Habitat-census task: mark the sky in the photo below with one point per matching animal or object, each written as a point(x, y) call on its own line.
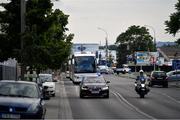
point(115, 16)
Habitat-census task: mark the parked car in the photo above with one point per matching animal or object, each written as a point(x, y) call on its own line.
point(158, 78)
point(173, 76)
point(94, 86)
point(21, 100)
point(48, 81)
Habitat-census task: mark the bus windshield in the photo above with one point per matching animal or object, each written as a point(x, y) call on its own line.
point(85, 64)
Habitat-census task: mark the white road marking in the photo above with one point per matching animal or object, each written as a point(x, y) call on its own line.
point(65, 112)
point(171, 98)
point(131, 105)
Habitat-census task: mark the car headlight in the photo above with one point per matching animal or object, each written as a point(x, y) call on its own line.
point(33, 108)
point(105, 88)
point(84, 88)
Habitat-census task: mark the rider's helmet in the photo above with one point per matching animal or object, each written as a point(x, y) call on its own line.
point(141, 72)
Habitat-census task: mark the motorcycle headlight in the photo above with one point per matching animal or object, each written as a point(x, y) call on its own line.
point(33, 108)
point(142, 85)
point(105, 88)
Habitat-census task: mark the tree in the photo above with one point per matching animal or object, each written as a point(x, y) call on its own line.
point(46, 44)
point(10, 30)
point(135, 38)
point(173, 25)
point(178, 41)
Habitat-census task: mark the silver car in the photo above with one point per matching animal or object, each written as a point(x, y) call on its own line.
point(173, 76)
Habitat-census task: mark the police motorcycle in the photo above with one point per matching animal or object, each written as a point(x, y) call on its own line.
point(141, 87)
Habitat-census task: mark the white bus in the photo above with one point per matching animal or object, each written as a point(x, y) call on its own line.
point(82, 65)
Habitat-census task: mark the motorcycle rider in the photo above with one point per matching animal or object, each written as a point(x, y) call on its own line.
point(139, 79)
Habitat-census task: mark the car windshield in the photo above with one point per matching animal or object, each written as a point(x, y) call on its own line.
point(103, 67)
point(18, 90)
point(159, 74)
point(45, 78)
point(94, 80)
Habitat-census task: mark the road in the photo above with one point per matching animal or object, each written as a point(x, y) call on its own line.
point(124, 103)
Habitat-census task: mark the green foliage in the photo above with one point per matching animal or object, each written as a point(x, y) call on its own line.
point(135, 38)
point(9, 30)
point(45, 43)
point(178, 41)
point(173, 25)
point(112, 47)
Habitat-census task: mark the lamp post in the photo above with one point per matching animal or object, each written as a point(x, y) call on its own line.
point(154, 42)
point(106, 40)
point(154, 35)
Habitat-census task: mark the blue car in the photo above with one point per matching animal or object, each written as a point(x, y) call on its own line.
point(21, 100)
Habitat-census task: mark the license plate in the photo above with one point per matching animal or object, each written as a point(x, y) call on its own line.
point(159, 78)
point(95, 92)
point(14, 116)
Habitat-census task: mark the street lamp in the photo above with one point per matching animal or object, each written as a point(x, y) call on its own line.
point(106, 39)
point(154, 35)
point(154, 42)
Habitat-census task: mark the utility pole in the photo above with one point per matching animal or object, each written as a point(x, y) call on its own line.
point(106, 42)
point(23, 11)
point(154, 35)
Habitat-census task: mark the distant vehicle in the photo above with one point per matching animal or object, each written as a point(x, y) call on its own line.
point(173, 76)
point(158, 78)
point(124, 69)
point(48, 81)
point(103, 69)
point(94, 86)
point(21, 100)
point(82, 64)
point(67, 74)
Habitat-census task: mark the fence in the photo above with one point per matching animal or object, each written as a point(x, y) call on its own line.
point(8, 70)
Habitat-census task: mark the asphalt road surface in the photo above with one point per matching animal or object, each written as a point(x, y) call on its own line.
point(124, 103)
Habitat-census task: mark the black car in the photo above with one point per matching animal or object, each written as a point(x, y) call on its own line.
point(21, 100)
point(94, 86)
point(158, 78)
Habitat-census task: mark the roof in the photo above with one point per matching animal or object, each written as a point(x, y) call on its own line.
point(42, 74)
point(85, 54)
point(171, 51)
point(14, 81)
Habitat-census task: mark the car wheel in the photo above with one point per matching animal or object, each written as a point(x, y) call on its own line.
point(165, 85)
point(106, 96)
point(150, 84)
point(81, 95)
point(54, 95)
